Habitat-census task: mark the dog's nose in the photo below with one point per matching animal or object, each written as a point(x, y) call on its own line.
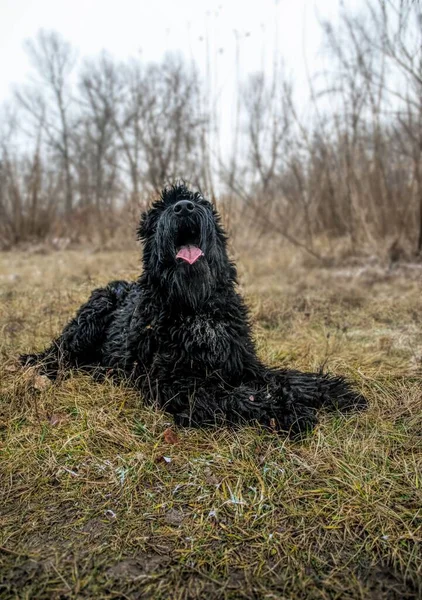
point(183, 208)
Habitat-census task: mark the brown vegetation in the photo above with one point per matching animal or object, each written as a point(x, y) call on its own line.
point(103, 498)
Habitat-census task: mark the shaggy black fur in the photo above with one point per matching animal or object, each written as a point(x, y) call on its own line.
point(181, 334)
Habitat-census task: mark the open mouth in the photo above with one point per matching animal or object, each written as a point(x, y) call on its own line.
point(187, 245)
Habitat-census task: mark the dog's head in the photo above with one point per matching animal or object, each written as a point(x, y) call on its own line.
point(185, 246)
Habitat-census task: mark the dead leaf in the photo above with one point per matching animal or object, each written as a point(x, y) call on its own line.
point(41, 383)
point(29, 374)
point(170, 436)
point(174, 517)
point(58, 419)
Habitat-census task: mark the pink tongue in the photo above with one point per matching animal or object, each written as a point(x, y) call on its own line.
point(189, 253)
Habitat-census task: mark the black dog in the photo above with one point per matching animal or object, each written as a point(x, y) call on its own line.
point(181, 332)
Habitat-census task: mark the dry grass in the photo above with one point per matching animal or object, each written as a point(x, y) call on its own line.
point(96, 503)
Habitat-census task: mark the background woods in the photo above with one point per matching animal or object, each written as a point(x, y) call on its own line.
point(87, 141)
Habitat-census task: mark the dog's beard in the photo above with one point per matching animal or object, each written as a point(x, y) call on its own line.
point(191, 285)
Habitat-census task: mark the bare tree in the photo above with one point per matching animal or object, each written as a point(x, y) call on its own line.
point(157, 122)
point(267, 126)
point(28, 190)
point(116, 131)
point(53, 60)
point(379, 73)
point(97, 137)
point(171, 133)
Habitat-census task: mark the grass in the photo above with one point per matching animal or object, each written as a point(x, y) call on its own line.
point(103, 498)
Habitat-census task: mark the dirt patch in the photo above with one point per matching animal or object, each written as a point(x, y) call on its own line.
point(131, 569)
point(24, 573)
point(174, 517)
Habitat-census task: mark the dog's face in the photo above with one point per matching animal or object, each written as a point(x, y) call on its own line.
point(185, 246)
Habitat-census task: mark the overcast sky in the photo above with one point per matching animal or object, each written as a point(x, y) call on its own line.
point(202, 30)
point(150, 28)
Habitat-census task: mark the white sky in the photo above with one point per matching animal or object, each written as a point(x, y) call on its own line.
point(150, 28)
point(202, 30)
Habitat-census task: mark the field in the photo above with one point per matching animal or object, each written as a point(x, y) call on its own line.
point(102, 498)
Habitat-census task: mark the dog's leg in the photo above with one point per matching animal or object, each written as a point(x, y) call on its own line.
point(285, 401)
point(271, 406)
point(321, 391)
point(290, 400)
point(80, 342)
point(294, 398)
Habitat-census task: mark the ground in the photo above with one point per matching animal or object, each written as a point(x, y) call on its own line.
point(102, 498)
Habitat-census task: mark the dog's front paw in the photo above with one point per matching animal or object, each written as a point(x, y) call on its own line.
point(340, 395)
point(292, 415)
point(297, 422)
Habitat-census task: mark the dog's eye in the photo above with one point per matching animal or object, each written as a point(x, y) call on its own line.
point(205, 203)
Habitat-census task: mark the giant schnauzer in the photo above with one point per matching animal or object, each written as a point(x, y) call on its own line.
point(181, 333)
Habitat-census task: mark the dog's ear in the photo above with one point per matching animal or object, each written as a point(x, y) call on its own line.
point(146, 226)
